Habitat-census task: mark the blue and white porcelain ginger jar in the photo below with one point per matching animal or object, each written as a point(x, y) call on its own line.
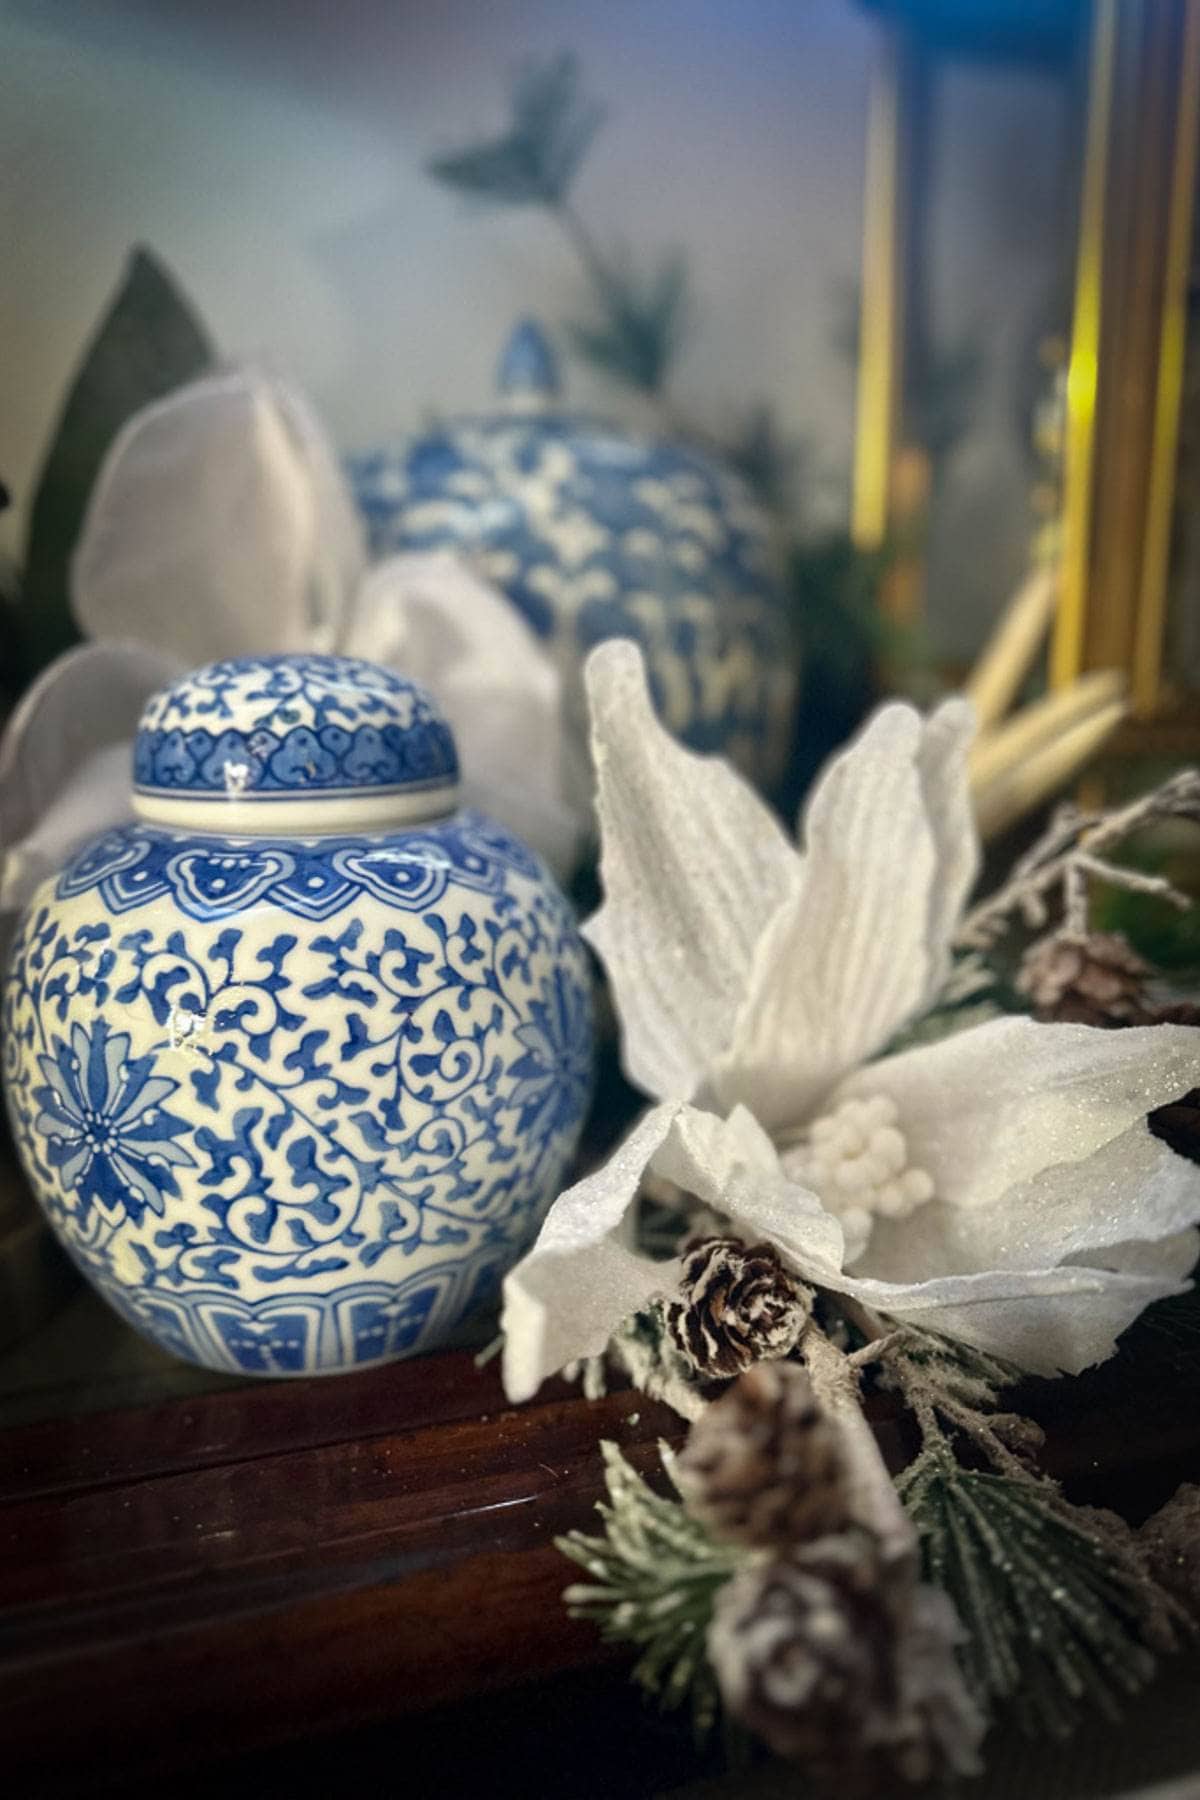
point(595, 532)
point(296, 1061)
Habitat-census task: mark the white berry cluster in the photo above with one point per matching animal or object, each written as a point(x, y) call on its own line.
point(856, 1160)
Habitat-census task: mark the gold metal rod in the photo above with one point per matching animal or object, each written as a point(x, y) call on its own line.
point(881, 304)
point(1005, 747)
point(1010, 651)
point(1150, 623)
point(1066, 656)
point(1001, 803)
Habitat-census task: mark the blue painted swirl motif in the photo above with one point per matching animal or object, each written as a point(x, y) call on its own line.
point(594, 534)
point(281, 725)
point(286, 1126)
point(216, 878)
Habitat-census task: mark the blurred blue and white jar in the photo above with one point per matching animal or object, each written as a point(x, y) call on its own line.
point(296, 1061)
point(594, 532)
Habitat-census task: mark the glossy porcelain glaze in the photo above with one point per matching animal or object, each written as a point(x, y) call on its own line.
point(594, 532)
point(295, 1094)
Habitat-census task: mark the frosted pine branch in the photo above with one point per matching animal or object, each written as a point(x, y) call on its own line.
point(1071, 854)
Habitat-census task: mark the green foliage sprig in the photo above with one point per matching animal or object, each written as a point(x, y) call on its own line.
point(640, 317)
point(641, 322)
point(1056, 1618)
point(1060, 1611)
point(536, 159)
point(655, 1575)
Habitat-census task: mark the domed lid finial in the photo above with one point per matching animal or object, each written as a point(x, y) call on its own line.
point(293, 745)
point(528, 375)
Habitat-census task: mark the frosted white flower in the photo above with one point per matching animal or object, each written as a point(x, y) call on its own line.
point(1001, 1185)
point(221, 525)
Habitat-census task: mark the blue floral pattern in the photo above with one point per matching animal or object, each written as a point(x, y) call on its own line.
point(594, 534)
point(277, 725)
point(298, 1105)
point(107, 1130)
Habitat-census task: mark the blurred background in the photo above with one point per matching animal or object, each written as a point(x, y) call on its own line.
point(880, 231)
point(275, 156)
point(921, 273)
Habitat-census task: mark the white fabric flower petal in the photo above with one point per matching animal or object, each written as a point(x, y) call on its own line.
point(66, 760)
point(565, 1298)
point(220, 524)
point(1170, 1256)
point(96, 797)
point(846, 959)
point(433, 618)
point(581, 1280)
point(731, 1165)
point(946, 739)
point(693, 864)
point(1049, 1322)
point(1132, 1186)
point(997, 1106)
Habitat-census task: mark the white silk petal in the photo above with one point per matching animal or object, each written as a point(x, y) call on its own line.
point(53, 790)
point(845, 959)
point(693, 864)
point(98, 796)
point(566, 1298)
point(946, 739)
point(732, 1166)
point(581, 1280)
point(1175, 1255)
point(1047, 1321)
point(433, 618)
point(220, 524)
point(1132, 1188)
point(997, 1106)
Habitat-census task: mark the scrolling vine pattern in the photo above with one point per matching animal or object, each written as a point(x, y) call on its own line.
point(280, 1140)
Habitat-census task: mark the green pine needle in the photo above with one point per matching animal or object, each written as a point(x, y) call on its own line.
point(1055, 1616)
point(655, 1575)
point(534, 162)
point(1059, 1614)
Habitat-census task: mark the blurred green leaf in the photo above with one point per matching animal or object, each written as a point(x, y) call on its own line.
point(767, 461)
point(148, 342)
point(641, 324)
point(1167, 938)
point(835, 597)
point(535, 161)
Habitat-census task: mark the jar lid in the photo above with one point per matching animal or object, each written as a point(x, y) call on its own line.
point(527, 376)
point(293, 744)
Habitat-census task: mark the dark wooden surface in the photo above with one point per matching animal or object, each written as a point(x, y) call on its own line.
point(297, 1577)
point(218, 1572)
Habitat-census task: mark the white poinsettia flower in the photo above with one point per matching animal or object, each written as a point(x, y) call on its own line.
point(221, 525)
point(1001, 1186)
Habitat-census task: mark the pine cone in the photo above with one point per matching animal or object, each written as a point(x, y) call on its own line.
point(845, 1667)
point(1092, 980)
point(763, 1464)
point(737, 1305)
point(1170, 1544)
